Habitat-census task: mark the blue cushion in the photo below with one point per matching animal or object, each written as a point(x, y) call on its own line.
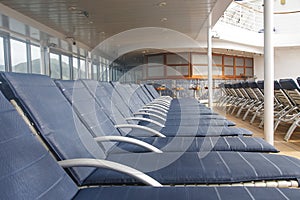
point(152, 91)
point(53, 116)
point(277, 86)
point(203, 167)
point(253, 84)
point(260, 84)
point(191, 193)
point(288, 84)
point(27, 170)
point(198, 144)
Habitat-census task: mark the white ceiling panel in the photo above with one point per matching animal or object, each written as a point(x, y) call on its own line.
point(92, 21)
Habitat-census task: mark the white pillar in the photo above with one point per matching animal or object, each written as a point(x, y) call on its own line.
point(209, 62)
point(269, 71)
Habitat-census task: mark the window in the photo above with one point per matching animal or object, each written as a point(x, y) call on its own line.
point(82, 69)
point(75, 68)
point(66, 69)
point(95, 72)
point(2, 61)
point(200, 70)
point(54, 66)
point(239, 62)
point(228, 66)
point(156, 59)
point(18, 56)
point(217, 60)
point(217, 71)
point(199, 59)
point(180, 58)
point(239, 71)
point(36, 59)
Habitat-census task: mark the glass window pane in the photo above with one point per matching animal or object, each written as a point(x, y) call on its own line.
point(180, 58)
point(2, 62)
point(17, 26)
point(217, 60)
point(199, 59)
point(95, 74)
point(249, 62)
point(36, 59)
point(75, 68)
point(156, 59)
point(249, 71)
point(54, 66)
point(239, 61)
point(228, 71)
point(156, 71)
point(82, 69)
point(65, 64)
point(177, 71)
point(217, 71)
point(239, 71)
point(228, 60)
point(200, 70)
point(100, 72)
point(18, 56)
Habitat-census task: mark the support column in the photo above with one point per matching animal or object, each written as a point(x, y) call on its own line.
point(209, 62)
point(268, 71)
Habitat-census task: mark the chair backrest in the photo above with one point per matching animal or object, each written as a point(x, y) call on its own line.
point(150, 97)
point(250, 91)
point(152, 91)
point(54, 118)
point(110, 100)
point(27, 170)
point(261, 86)
point(292, 90)
point(255, 88)
point(88, 110)
point(298, 81)
point(241, 87)
point(236, 88)
point(140, 93)
point(129, 96)
point(281, 96)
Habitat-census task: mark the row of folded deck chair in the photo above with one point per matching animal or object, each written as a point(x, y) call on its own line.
point(124, 141)
point(247, 98)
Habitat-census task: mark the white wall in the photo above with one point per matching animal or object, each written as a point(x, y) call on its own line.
point(287, 63)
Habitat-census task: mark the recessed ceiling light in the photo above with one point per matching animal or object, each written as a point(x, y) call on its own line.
point(72, 8)
point(91, 22)
point(163, 19)
point(162, 4)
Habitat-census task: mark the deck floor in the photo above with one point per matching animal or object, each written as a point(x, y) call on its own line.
point(290, 148)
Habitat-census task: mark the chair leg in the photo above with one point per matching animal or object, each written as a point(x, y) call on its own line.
point(261, 124)
point(247, 113)
point(253, 118)
point(290, 131)
point(276, 125)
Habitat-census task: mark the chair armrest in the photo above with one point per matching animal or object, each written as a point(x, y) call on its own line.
point(150, 114)
point(128, 140)
point(155, 107)
point(145, 119)
point(135, 126)
point(82, 162)
point(163, 113)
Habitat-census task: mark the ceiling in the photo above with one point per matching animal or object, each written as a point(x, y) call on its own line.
point(92, 21)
